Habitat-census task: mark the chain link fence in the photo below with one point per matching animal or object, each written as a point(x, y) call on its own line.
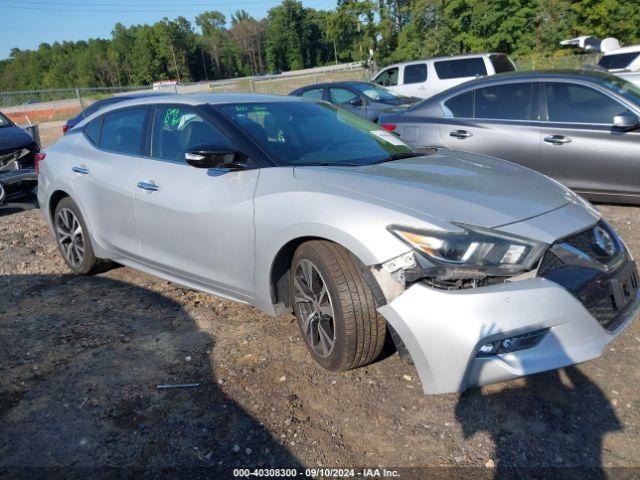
point(37, 106)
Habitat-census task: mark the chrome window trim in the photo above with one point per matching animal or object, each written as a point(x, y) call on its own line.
point(633, 108)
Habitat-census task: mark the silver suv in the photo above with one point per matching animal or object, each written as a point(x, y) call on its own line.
point(479, 269)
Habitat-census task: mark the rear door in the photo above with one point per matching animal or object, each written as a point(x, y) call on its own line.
point(413, 80)
point(581, 148)
point(103, 168)
point(500, 120)
point(194, 223)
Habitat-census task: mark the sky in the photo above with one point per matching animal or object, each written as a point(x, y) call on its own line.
point(25, 24)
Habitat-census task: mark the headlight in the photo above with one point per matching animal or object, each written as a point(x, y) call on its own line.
point(473, 247)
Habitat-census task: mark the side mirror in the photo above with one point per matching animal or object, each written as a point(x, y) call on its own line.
point(626, 121)
point(356, 102)
point(216, 155)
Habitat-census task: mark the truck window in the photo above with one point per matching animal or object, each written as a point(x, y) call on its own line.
point(618, 61)
point(464, 67)
point(502, 63)
point(416, 73)
point(388, 77)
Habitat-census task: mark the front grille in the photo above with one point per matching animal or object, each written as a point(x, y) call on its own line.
point(587, 272)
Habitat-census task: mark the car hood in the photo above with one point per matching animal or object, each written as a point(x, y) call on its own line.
point(13, 137)
point(451, 186)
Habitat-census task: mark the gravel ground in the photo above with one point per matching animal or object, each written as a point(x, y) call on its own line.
point(82, 357)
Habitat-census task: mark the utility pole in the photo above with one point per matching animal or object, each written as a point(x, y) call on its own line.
point(173, 53)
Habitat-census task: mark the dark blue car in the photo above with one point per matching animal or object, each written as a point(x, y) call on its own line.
point(365, 99)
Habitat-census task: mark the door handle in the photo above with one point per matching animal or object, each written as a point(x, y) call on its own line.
point(150, 186)
point(80, 170)
point(557, 139)
point(460, 134)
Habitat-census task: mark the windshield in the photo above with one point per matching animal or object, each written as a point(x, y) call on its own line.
point(376, 92)
point(307, 133)
point(4, 121)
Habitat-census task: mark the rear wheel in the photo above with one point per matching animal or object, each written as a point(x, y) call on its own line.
point(73, 239)
point(335, 308)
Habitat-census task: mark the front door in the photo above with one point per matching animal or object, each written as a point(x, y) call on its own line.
point(194, 223)
point(580, 146)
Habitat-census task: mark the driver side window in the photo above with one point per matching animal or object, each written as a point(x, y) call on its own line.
point(388, 77)
point(570, 103)
point(176, 129)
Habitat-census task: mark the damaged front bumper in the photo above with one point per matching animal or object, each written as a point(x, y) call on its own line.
point(17, 182)
point(443, 331)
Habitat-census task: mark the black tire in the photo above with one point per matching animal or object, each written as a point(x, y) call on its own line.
point(89, 264)
point(359, 332)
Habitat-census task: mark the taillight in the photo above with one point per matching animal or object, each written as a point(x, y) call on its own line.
point(38, 157)
point(389, 127)
point(65, 128)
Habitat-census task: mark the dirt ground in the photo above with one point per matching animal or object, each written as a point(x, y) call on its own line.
point(81, 359)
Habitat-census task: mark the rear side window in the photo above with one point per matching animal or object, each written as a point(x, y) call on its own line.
point(122, 131)
point(460, 106)
point(388, 78)
point(313, 94)
point(502, 63)
point(506, 102)
point(92, 131)
point(618, 61)
point(415, 73)
point(177, 129)
point(464, 67)
point(579, 104)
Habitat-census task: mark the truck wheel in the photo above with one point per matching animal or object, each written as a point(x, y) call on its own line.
point(335, 308)
point(73, 239)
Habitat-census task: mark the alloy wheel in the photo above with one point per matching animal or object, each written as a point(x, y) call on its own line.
point(314, 308)
point(70, 236)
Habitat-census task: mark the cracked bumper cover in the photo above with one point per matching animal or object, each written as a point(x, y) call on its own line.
point(443, 330)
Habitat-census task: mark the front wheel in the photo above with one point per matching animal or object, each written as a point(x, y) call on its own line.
point(334, 306)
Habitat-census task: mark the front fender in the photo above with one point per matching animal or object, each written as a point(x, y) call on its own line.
point(283, 215)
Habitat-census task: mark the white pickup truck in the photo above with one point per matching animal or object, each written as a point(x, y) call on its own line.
point(425, 78)
point(623, 62)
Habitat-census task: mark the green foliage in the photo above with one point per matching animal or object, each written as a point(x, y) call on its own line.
point(293, 36)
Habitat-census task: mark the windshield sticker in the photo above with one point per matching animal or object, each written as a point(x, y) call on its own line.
point(388, 137)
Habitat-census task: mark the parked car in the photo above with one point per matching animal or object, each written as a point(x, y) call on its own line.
point(365, 99)
point(18, 153)
point(98, 104)
point(425, 78)
point(294, 205)
point(580, 127)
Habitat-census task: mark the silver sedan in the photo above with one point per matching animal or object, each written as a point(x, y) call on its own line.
point(480, 270)
point(581, 128)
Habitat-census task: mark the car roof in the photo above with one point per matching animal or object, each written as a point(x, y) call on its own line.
point(342, 83)
point(629, 49)
point(192, 99)
point(438, 59)
point(592, 76)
